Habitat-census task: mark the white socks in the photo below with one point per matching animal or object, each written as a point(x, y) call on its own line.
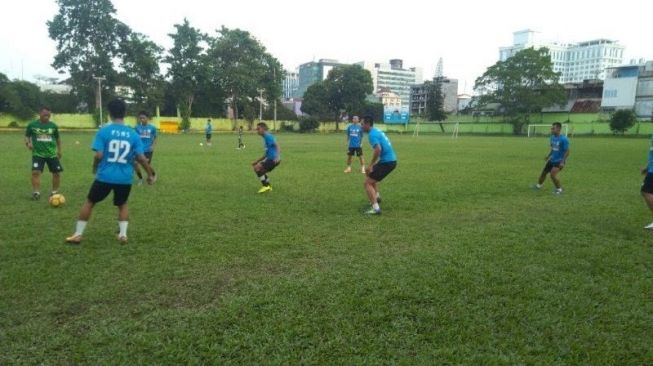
point(376, 207)
point(80, 227)
point(123, 228)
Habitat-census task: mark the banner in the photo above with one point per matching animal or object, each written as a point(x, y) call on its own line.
point(396, 115)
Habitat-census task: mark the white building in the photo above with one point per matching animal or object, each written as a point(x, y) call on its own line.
point(629, 87)
point(291, 85)
point(575, 61)
point(394, 77)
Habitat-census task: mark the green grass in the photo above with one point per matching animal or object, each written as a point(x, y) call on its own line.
point(466, 265)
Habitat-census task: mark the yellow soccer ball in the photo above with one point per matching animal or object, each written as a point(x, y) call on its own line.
point(57, 200)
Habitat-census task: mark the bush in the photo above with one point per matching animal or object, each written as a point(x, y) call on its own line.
point(622, 120)
point(13, 124)
point(287, 127)
point(308, 124)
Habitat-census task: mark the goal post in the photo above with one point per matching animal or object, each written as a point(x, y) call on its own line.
point(545, 130)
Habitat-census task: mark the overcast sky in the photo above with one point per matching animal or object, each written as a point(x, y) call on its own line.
point(466, 34)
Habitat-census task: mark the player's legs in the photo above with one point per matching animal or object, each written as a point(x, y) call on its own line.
point(56, 182)
point(137, 169)
point(648, 198)
point(98, 192)
point(371, 191)
point(120, 197)
point(149, 155)
point(555, 179)
point(36, 184)
point(38, 164)
point(361, 159)
point(350, 153)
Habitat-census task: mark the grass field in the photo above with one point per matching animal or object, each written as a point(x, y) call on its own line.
point(466, 265)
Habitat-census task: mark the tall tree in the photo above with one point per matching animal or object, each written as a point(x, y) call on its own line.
point(88, 38)
point(523, 84)
point(345, 88)
point(316, 101)
point(188, 69)
point(435, 101)
point(348, 86)
point(242, 67)
point(141, 72)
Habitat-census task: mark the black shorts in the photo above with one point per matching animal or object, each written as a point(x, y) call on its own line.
point(208, 136)
point(148, 156)
point(647, 185)
point(54, 166)
point(381, 170)
point(100, 190)
point(355, 151)
point(269, 165)
point(549, 166)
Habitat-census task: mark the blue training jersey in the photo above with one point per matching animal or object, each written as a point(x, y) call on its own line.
point(119, 145)
point(650, 157)
point(147, 134)
point(271, 148)
point(559, 146)
point(377, 137)
point(354, 135)
point(208, 128)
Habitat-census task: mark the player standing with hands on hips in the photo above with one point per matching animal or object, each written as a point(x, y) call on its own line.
point(647, 185)
point(355, 139)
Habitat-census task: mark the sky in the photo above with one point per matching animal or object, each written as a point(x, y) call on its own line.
point(465, 34)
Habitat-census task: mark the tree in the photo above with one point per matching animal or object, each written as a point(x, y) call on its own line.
point(141, 72)
point(241, 66)
point(523, 84)
point(19, 98)
point(316, 101)
point(622, 120)
point(435, 100)
point(345, 88)
point(188, 70)
point(348, 86)
point(88, 38)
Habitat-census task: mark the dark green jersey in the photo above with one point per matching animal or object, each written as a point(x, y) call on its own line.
point(44, 138)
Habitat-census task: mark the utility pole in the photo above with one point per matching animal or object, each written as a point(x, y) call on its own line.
point(99, 95)
point(274, 79)
point(260, 106)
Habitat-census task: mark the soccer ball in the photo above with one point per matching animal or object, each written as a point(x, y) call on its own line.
point(201, 144)
point(57, 200)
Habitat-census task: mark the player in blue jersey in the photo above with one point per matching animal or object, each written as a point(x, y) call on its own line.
point(355, 139)
point(208, 130)
point(556, 159)
point(269, 160)
point(384, 161)
point(148, 135)
point(647, 185)
point(116, 147)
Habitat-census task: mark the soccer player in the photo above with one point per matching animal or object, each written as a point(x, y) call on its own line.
point(647, 186)
point(42, 138)
point(355, 138)
point(556, 159)
point(241, 145)
point(384, 161)
point(147, 132)
point(208, 130)
point(116, 146)
point(269, 160)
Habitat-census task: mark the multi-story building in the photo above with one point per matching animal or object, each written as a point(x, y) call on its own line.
point(388, 98)
point(290, 85)
point(629, 87)
point(393, 77)
point(419, 96)
point(575, 61)
point(312, 72)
